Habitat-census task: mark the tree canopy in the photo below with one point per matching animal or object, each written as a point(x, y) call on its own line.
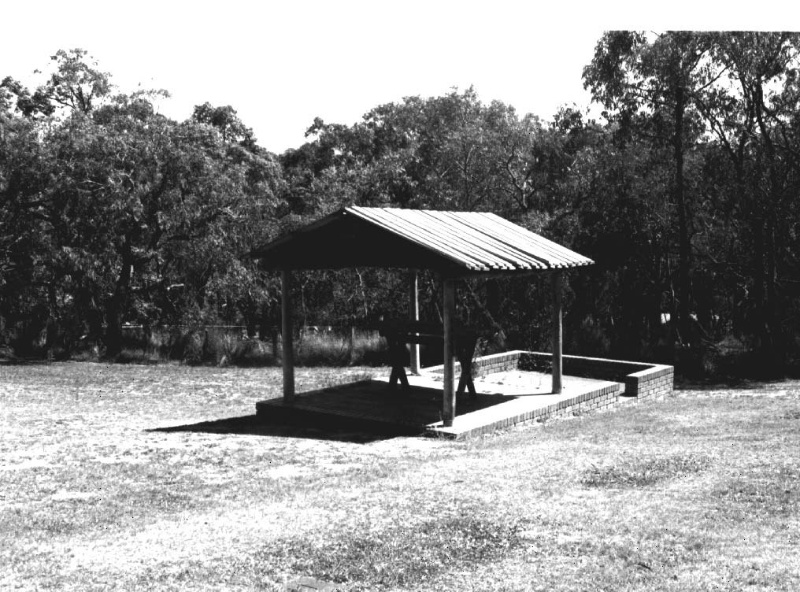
point(116, 214)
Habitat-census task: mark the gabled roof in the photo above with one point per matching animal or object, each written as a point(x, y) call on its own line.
point(451, 242)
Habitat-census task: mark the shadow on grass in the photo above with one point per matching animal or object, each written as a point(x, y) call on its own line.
point(361, 412)
point(253, 425)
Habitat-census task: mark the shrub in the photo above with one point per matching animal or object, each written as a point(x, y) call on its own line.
point(331, 349)
point(229, 346)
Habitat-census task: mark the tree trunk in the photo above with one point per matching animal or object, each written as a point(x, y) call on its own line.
point(773, 345)
point(115, 307)
point(684, 245)
point(775, 350)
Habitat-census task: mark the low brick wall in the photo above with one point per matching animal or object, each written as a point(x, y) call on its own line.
point(601, 398)
point(641, 380)
point(503, 362)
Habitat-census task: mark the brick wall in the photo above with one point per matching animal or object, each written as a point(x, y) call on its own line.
point(596, 400)
point(641, 380)
point(503, 362)
point(599, 399)
point(655, 382)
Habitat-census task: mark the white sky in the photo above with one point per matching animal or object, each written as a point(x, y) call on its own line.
point(282, 63)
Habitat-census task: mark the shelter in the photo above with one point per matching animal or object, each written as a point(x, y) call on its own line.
point(454, 245)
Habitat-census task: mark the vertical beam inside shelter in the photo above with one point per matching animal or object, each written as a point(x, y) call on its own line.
point(557, 281)
point(449, 393)
point(286, 336)
point(413, 315)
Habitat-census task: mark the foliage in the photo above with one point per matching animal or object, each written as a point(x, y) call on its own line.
point(722, 104)
point(450, 152)
point(683, 192)
point(359, 348)
point(131, 217)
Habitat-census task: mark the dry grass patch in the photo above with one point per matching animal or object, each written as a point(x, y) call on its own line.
point(771, 490)
point(643, 472)
point(399, 556)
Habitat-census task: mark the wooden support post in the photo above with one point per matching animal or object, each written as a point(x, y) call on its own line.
point(286, 337)
point(449, 393)
point(413, 315)
point(557, 332)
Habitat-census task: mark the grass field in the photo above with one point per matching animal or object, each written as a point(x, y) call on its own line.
point(158, 478)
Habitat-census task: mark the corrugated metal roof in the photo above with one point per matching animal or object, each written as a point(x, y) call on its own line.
point(470, 241)
point(479, 241)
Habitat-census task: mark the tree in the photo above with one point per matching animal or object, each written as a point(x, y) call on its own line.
point(76, 84)
point(661, 76)
point(226, 120)
point(140, 218)
point(23, 243)
point(449, 152)
point(752, 115)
